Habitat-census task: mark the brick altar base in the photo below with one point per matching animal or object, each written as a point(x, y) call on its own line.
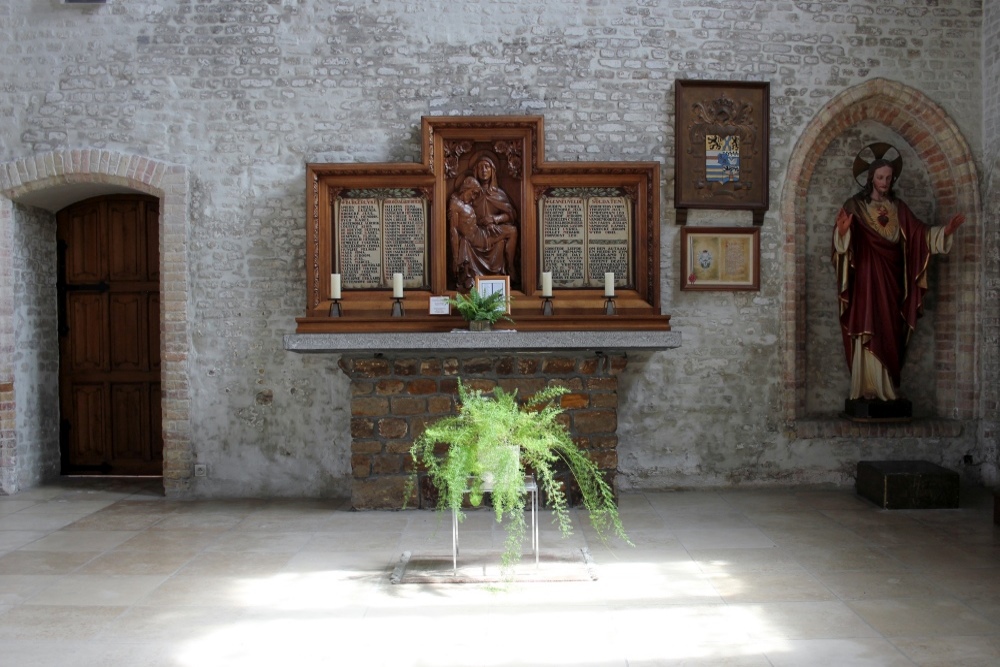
point(907, 484)
point(394, 397)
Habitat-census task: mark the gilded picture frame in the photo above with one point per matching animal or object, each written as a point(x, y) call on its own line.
point(721, 134)
point(720, 258)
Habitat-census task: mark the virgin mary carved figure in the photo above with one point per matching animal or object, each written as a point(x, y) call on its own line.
point(482, 224)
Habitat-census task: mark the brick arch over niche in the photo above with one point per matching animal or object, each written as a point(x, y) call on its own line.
point(946, 155)
point(102, 168)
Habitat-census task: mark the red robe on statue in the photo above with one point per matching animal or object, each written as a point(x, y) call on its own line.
point(882, 282)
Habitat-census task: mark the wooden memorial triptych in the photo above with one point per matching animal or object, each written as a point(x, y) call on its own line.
point(482, 203)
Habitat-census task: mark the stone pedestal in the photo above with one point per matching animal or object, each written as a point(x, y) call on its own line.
point(863, 409)
point(908, 484)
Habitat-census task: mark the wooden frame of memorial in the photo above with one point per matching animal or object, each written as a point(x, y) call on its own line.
point(483, 202)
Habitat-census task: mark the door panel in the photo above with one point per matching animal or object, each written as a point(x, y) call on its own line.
point(110, 336)
point(153, 327)
point(85, 234)
point(156, 420)
point(87, 317)
point(129, 418)
point(152, 217)
point(129, 340)
point(127, 238)
point(89, 404)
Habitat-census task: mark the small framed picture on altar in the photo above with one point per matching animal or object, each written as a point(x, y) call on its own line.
point(720, 258)
point(487, 285)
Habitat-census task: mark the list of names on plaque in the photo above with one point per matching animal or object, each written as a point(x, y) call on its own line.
point(359, 224)
point(566, 262)
point(563, 240)
point(609, 235)
point(584, 237)
point(562, 220)
point(378, 237)
point(404, 225)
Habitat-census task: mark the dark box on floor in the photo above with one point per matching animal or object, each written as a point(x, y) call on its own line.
point(898, 485)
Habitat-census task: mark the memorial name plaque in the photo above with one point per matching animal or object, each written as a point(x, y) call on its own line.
point(377, 237)
point(585, 236)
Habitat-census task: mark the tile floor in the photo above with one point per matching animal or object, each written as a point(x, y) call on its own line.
point(108, 572)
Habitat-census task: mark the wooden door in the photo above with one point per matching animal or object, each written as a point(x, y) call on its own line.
point(109, 337)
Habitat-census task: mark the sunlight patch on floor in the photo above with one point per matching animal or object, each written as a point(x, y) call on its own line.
point(331, 616)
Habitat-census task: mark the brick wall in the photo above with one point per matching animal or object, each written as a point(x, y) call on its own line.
point(394, 397)
point(991, 80)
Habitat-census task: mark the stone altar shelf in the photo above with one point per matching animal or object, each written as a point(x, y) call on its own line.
point(504, 339)
point(402, 381)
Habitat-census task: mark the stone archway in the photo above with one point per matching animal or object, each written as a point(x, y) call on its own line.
point(946, 155)
point(26, 178)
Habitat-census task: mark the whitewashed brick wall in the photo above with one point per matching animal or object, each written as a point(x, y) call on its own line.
point(243, 93)
point(36, 346)
point(990, 435)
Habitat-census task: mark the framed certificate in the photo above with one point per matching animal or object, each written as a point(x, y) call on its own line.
point(720, 258)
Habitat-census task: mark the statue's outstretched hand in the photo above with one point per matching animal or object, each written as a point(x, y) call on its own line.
point(843, 222)
point(953, 224)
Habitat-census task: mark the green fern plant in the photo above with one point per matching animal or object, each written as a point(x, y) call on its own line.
point(476, 307)
point(495, 435)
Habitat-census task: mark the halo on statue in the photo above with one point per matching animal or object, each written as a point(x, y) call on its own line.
point(872, 152)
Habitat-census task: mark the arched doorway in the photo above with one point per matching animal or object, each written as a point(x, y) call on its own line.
point(35, 188)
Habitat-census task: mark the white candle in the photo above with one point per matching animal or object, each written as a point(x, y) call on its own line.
point(546, 283)
point(397, 285)
point(334, 285)
point(609, 284)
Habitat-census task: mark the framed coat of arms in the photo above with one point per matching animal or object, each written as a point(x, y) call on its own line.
point(721, 141)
